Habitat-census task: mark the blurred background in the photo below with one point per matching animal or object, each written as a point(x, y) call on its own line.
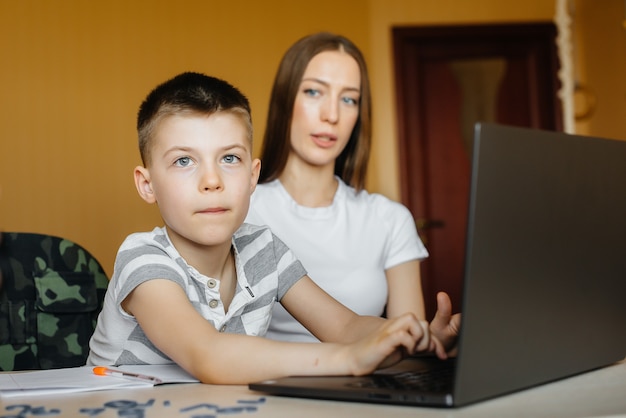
point(74, 72)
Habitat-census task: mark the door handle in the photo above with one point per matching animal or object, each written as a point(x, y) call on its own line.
point(422, 223)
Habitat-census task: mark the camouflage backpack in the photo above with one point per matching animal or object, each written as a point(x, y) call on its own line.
point(51, 292)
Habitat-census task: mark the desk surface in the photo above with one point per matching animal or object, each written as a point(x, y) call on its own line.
point(600, 393)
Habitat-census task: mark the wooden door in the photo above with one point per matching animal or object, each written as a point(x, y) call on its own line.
point(448, 78)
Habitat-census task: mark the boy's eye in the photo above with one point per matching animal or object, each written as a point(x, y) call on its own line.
point(183, 161)
point(231, 159)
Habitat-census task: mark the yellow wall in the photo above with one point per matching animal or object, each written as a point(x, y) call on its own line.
point(73, 73)
point(600, 54)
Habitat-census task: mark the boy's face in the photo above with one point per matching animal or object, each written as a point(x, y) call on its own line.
point(201, 175)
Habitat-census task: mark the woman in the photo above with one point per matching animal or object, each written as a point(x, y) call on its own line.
point(361, 248)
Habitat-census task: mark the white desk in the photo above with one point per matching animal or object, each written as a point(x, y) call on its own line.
point(601, 393)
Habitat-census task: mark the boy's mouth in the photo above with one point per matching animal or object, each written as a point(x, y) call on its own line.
point(216, 210)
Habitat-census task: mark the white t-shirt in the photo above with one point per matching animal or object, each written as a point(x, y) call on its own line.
point(345, 247)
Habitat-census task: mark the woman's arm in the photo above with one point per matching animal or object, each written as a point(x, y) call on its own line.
point(331, 321)
point(405, 295)
point(221, 358)
point(404, 284)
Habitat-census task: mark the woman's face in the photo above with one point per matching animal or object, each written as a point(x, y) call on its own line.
point(326, 108)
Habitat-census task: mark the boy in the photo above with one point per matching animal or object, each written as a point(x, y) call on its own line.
point(199, 291)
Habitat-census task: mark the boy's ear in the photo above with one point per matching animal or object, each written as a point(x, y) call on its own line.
point(143, 184)
point(256, 171)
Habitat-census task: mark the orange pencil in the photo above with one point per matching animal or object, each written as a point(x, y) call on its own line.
point(105, 371)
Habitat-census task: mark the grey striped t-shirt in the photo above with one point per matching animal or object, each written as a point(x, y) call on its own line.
point(266, 269)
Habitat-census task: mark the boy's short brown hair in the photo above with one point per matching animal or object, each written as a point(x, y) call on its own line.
point(186, 93)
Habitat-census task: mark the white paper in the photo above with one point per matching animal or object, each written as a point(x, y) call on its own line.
point(82, 379)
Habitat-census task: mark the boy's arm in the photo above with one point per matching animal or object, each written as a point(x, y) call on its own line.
point(221, 358)
point(330, 321)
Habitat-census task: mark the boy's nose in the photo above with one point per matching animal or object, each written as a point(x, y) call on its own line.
point(210, 180)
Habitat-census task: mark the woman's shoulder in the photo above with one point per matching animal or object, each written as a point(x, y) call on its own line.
point(268, 196)
point(267, 189)
point(373, 201)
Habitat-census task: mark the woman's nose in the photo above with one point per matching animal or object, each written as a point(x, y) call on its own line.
point(330, 111)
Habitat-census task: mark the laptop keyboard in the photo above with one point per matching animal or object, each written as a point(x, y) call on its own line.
point(432, 380)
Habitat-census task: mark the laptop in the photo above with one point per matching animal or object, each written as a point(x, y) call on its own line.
point(544, 293)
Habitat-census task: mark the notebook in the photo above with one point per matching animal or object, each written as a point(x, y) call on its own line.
point(544, 293)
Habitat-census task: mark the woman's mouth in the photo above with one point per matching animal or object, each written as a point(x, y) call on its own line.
point(324, 140)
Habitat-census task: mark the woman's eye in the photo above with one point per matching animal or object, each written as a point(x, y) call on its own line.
point(231, 159)
point(350, 101)
point(311, 92)
point(183, 161)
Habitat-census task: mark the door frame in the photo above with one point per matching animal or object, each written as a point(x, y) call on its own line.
point(413, 46)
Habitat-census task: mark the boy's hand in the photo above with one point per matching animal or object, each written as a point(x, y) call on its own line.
point(395, 339)
point(445, 326)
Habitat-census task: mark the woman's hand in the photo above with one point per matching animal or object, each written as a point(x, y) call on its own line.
point(445, 326)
